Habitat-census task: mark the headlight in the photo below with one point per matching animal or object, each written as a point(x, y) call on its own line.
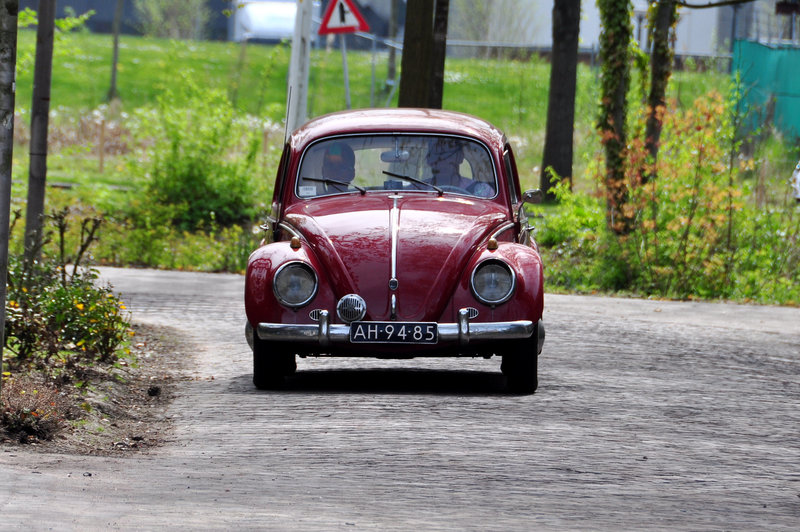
point(492, 282)
point(295, 284)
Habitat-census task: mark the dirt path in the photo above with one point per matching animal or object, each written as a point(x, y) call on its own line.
point(650, 415)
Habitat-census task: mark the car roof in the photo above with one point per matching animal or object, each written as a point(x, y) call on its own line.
point(396, 120)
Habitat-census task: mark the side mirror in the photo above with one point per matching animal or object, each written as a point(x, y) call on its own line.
point(271, 224)
point(532, 196)
point(529, 196)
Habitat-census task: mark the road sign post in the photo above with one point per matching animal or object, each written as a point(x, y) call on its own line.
point(342, 17)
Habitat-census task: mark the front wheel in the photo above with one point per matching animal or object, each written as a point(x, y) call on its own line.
point(521, 363)
point(272, 362)
point(522, 373)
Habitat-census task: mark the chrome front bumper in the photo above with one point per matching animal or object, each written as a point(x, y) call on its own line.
point(462, 332)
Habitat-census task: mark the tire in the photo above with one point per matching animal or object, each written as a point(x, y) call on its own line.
point(272, 362)
point(521, 364)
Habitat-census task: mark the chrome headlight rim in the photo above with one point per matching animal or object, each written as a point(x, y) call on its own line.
point(507, 268)
point(284, 269)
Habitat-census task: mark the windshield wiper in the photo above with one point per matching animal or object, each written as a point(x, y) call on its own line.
point(414, 180)
point(328, 181)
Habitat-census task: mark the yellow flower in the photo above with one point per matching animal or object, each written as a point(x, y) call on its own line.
point(79, 306)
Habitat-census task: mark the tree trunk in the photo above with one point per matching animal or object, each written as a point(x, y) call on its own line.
point(660, 72)
point(615, 39)
point(438, 55)
point(8, 65)
point(40, 111)
point(416, 63)
point(115, 27)
point(558, 149)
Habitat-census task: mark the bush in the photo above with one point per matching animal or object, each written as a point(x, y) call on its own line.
point(58, 320)
point(143, 242)
point(31, 410)
point(694, 235)
point(174, 20)
point(201, 159)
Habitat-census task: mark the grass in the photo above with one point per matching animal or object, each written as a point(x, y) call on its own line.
point(510, 93)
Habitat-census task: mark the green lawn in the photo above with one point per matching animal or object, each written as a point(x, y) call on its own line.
point(512, 94)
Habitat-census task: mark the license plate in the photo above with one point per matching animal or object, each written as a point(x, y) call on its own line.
point(394, 332)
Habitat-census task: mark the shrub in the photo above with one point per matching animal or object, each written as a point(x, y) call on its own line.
point(202, 158)
point(31, 410)
point(58, 319)
point(174, 20)
point(694, 234)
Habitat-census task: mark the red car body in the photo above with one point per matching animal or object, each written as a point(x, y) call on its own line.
point(390, 264)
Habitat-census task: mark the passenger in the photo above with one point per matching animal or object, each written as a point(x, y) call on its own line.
point(444, 159)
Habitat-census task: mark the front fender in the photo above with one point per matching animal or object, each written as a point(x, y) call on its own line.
point(260, 302)
point(527, 303)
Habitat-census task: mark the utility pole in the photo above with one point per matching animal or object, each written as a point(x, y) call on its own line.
point(297, 97)
point(8, 66)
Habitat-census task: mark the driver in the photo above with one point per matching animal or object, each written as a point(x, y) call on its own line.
point(339, 164)
point(444, 159)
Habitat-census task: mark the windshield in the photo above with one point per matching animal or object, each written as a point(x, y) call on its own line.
point(360, 164)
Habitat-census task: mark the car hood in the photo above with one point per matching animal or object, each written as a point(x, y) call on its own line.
point(435, 237)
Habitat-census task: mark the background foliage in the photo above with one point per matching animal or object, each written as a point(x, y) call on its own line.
point(155, 139)
point(186, 19)
point(699, 231)
point(200, 158)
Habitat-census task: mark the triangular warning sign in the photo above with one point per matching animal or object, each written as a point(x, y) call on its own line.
point(342, 16)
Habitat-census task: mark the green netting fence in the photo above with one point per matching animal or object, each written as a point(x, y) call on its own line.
point(771, 82)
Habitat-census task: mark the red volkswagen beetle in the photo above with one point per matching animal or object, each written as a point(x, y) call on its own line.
point(396, 233)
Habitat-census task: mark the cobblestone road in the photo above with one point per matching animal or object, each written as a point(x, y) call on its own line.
point(650, 415)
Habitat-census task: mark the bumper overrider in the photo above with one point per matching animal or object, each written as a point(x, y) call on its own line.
point(462, 333)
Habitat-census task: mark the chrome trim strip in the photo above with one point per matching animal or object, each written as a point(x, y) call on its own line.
point(460, 333)
point(503, 228)
point(394, 220)
point(289, 229)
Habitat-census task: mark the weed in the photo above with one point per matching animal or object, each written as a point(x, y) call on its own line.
point(31, 410)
